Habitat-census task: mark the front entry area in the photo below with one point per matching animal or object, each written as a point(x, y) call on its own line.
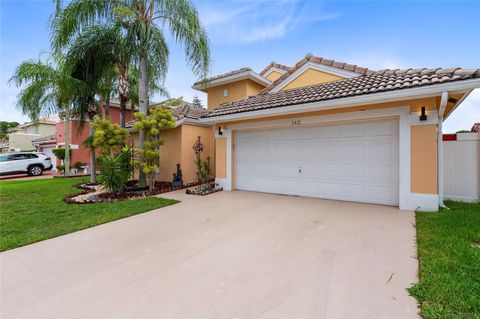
point(354, 161)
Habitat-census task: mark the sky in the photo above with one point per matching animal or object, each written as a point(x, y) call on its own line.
point(373, 34)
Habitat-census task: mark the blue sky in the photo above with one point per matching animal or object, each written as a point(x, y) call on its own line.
point(374, 34)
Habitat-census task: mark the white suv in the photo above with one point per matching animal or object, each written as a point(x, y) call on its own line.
point(31, 163)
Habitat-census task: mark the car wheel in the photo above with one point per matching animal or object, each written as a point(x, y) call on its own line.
point(35, 170)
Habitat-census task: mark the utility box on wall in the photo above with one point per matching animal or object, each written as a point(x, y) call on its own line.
point(461, 153)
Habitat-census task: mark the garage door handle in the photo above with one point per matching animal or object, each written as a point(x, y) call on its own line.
point(299, 169)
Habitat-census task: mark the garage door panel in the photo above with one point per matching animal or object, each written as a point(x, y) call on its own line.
point(331, 151)
point(354, 130)
point(356, 172)
point(354, 150)
point(354, 161)
point(386, 128)
point(380, 174)
point(328, 132)
point(309, 133)
point(291, 134)
point(331, 170)
point(381, 194)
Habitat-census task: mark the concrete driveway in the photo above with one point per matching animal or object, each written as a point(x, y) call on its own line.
point(227, 255)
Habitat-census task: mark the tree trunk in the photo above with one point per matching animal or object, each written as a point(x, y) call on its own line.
point(93, 169)
point(66, 160)
point(123, 92)
point(107, 106)
point(143, 108)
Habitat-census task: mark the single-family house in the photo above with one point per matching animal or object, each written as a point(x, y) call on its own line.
point(20, 138)
point(329, 129)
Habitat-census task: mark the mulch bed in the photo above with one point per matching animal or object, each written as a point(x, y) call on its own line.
point(160, 188)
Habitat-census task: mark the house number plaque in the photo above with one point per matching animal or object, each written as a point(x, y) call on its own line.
point(296, 123)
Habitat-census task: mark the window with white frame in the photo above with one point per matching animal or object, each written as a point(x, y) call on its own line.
point(225, 92)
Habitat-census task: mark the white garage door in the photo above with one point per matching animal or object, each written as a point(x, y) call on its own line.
point(354, 162)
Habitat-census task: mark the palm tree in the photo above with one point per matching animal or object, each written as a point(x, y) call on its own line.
point(111, 53)
point(48, 89)
point(92, 63)
point(145, 19)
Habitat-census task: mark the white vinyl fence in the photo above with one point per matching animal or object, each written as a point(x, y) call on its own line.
point(462, 167)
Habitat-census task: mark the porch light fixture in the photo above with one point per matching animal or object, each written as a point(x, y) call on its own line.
point(220, 130)
point(423, 116)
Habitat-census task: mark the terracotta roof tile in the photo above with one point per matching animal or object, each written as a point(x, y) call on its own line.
point(319, 60)
point(179, 112)
point(373, 82)
point(224, 75)
point(275, 65)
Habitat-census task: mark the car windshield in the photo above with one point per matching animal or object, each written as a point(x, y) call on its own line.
point(4, 158)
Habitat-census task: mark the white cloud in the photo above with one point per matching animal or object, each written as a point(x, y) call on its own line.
point(249, 22)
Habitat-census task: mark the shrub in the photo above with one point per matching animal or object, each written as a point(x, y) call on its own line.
point(61, 168)
point(160, 118)
point(78, 165)
point(203, 169)
point(115, 171)
point(60, 153)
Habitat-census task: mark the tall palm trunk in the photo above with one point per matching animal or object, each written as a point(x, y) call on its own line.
point(91, 114)
point(123, 92)
point(107, 106)
point(66, 160)
point(93, 169)
point(142, 106)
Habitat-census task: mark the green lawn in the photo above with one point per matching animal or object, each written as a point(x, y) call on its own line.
point(34, 210)
point(449, 262)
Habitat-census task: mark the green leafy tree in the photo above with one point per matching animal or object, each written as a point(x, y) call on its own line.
point(147, 20)
point(109, 138)
point(197, 102)
point(160, 118)
point(48, 88)
point(5, 126)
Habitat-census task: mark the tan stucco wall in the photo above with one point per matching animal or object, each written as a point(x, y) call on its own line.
point(423, 160)
point(22, 142)
point(311, 77)
point(190, 134)
point(221, 158)
point(274, 75)
point(178, 148)
point(170, 153)
point(42, 129)
point(253, 88)
point(236, 90)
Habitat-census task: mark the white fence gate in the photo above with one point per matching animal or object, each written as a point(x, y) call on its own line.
point(462, 167)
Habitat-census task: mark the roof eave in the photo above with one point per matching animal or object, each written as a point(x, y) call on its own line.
point(232, 78)
point(391, 96)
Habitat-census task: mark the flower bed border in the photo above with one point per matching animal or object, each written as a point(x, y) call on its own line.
point(212, 191)
point(124, 196)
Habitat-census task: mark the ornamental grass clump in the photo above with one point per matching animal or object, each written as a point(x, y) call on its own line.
point(115, 165)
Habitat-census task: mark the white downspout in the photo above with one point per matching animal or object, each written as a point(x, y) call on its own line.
point(441, 112)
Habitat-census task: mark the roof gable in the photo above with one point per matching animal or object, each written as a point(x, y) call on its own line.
point(338, 69)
